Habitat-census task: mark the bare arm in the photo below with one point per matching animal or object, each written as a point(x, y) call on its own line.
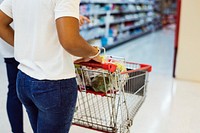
point(70, 39)
point(6, 31)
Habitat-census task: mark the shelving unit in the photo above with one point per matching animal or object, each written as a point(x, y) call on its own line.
point(116, 21)
point(158, 10)
point(118, 1)
point(126, 39)
point(169, 12)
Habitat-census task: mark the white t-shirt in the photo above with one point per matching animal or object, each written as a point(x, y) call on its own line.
point(37, 47)
point(6, 50)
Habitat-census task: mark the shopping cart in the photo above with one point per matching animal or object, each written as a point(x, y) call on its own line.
point(108, 99)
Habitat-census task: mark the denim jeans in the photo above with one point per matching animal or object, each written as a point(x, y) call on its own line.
point(50, 104)
point(14, 106)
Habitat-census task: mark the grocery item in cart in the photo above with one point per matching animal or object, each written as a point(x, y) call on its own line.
point(98, 81)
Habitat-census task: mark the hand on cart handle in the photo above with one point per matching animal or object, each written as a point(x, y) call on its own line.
point(92, 64)
point(97, 59)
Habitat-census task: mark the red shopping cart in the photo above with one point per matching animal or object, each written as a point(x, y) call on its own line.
point(108, 99)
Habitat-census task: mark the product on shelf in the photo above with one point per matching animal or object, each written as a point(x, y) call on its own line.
point(93, 33)
point(115, 21)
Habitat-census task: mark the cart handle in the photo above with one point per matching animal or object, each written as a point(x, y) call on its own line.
point(112, 67)
point(143, 67)
point(146, 67)
point(106, 66)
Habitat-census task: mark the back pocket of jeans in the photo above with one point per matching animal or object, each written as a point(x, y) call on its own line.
point(46, 94)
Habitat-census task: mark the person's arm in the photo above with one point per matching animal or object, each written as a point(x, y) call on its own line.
point(70, 39)
point(67, 23)
point(6, 32)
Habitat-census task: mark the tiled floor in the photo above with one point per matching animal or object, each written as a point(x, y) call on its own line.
point(172, 106)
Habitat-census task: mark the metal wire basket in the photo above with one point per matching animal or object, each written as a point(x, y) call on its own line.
point(109, 99)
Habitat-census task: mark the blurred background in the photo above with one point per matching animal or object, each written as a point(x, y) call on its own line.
point(162, 33)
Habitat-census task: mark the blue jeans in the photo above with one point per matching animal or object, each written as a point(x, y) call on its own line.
point(14, 106)
point(50, 104)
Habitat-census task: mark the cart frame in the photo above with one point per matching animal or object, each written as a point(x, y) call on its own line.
point(113, 110)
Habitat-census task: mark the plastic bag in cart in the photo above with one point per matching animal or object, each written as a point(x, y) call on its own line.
point(101, 80)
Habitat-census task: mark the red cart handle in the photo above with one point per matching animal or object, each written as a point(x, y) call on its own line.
point(143, 67)
point(106, 66)
point(147, 67)
point(112, 67)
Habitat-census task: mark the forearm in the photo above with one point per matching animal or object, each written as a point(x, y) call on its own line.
point(7, 34)
point(71, 40)
point(79, 47)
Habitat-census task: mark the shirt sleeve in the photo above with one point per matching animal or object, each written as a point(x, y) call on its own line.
point(67, 8)
point(6, 7)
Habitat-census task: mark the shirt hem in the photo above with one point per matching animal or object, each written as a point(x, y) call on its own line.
point(60, 77)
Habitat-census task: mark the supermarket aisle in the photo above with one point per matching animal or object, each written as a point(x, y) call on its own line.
point(155, 49)
point(172, 106)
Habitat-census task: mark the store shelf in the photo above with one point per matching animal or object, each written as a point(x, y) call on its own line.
point(117, 43)
point(116, 2)
point(94, 37)
point(138, 11)
point(113, 12)
point(125, 29)
point(119, 18)
point(133, 27)
point(94, 13)
point(113, 22)
point(126, 20)
point(92, 26)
